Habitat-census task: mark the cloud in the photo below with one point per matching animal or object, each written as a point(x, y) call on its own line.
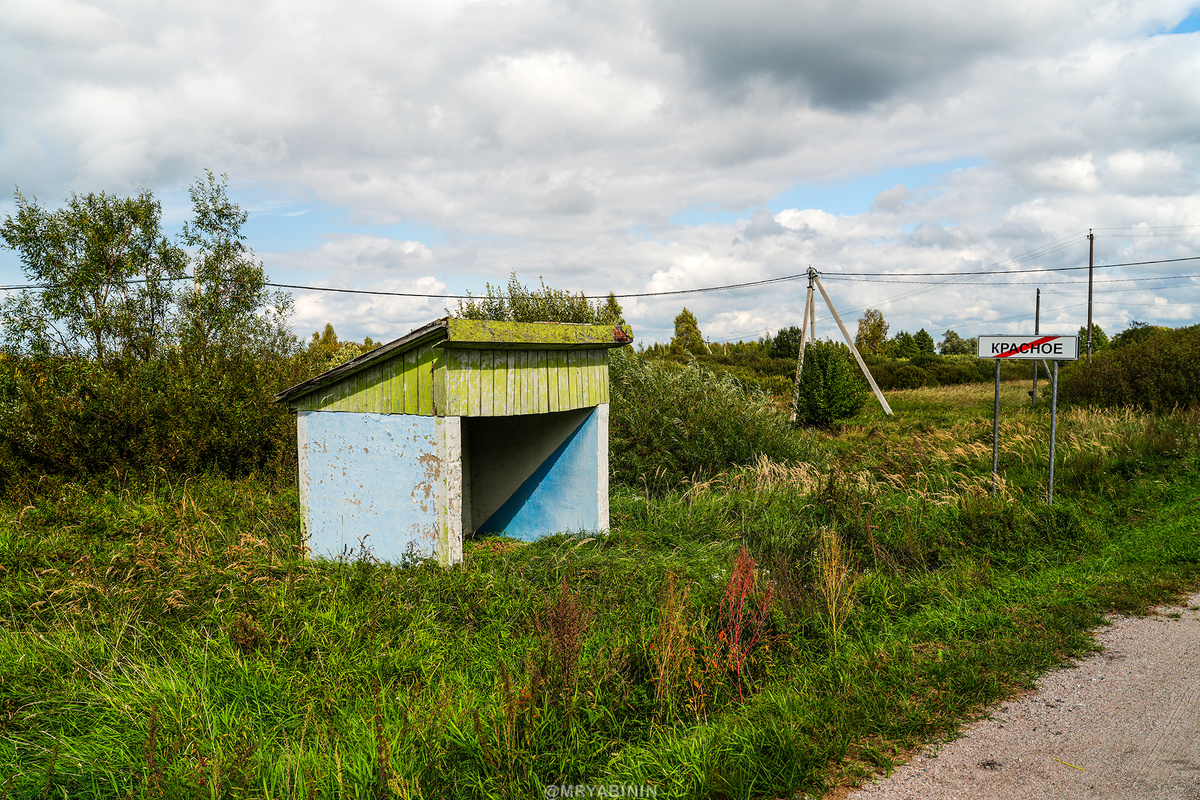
point(891, 199)
point(761, 223)
point(1148, 172)
point(848, 56)
point(561, 139)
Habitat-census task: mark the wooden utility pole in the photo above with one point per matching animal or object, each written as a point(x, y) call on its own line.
point(850, 341)
point(1091, 253)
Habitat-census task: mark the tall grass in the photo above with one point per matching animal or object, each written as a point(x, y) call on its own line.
point(773, 630)
point(835, 583)
point(673, 424)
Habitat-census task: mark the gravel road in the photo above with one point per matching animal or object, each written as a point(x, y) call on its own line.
point(1123, 723)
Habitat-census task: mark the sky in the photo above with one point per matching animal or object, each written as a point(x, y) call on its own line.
point(638, 146)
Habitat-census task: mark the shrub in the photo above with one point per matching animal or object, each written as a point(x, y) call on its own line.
point(892, 373)
point(829, 388)
point(516, 302)
point(111, 370)
point(73, 418)
point(1158, 372)
point(911, 377)
point(671, 423)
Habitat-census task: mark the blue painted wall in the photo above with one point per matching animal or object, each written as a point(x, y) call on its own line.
point(561, 494)
point(501, 453)
point(370, 475)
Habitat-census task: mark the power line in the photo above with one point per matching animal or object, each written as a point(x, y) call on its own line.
point(725, 287)
point(836, 277)
point(747, 284)
point(1020, 271)
point(892, 277)
point(1015, 316)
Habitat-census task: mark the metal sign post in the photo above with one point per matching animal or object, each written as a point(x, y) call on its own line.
point(1037, 329)
point(1053, 425)
point(1032, 348)
point(996, 435)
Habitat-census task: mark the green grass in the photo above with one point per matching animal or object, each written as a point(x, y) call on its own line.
point(168, 638)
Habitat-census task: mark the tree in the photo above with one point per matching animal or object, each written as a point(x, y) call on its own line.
point(829, 387)
point(1136, 332)
point(872, 333)
point(954, 345)
point(87, 257)
point(924, 342)
point(687, 337)
point(786, 343)
point(611, 312)
point(326, 351)
point(116, 368)
point(903, 346)
point(229, 307)
point(1099, 339)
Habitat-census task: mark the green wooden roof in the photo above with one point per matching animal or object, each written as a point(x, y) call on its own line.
point(463, 367)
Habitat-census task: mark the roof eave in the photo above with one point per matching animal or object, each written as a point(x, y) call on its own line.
point(438, 329)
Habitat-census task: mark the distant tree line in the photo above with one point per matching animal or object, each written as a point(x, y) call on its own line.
point(903, 361)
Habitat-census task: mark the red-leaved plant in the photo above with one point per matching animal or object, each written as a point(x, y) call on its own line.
point(742, 623)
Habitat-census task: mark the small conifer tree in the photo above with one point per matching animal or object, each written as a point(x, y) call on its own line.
point(687, 337)
point(829, 388)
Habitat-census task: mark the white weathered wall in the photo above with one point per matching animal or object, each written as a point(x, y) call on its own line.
point(390, 482)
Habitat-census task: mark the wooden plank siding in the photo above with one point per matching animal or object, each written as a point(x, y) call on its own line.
point(470, 383)
point(390, 392)
point(400, 385)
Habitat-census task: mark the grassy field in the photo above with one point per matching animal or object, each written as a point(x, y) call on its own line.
point(778, 630)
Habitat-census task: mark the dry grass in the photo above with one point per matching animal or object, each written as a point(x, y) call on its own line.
point(671, 647)
point(835, 582)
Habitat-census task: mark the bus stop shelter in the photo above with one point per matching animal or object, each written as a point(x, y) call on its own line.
point(461, 426)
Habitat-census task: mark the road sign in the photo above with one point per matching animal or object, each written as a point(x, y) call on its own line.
point(1051, 348)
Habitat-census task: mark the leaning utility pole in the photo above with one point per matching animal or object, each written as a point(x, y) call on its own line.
point(1091, 253)
point(810, 321)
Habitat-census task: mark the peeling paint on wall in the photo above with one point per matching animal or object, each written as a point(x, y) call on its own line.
point(383, 495)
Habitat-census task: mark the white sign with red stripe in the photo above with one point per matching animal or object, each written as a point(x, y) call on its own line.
point(1057, 348)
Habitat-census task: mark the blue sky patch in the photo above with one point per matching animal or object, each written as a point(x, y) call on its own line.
point(1190, 23)
point(297, 226)
point(855, 196)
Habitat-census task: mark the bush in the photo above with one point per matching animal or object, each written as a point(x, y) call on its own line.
point(109, 369)
point(895, 373)
point(829, 387)
point(1159, 372)
point(911, 377)
point(71, 418)
point(670, 423)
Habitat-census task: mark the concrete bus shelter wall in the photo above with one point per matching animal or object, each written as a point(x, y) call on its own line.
point(536, 474)
point(404, 485)
point(388, 482)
